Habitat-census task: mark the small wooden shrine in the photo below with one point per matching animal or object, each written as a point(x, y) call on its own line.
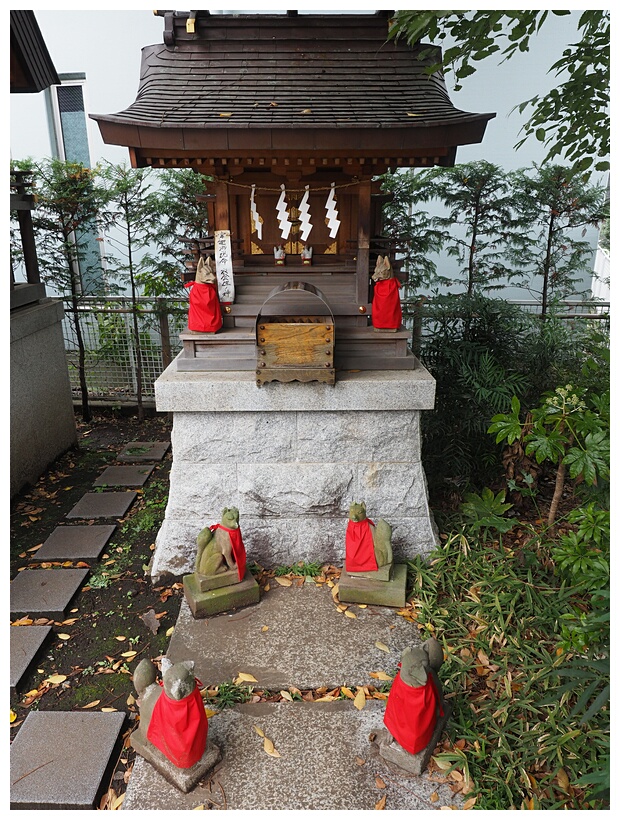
point(291, 118)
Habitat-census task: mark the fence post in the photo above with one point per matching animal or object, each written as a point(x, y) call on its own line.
point(416, 335)
point(164, 331)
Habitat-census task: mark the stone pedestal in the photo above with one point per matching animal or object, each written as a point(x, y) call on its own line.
point(362, 589)
point(205, 602)
point(182, 779)
point(292, 457)
point(393, 752)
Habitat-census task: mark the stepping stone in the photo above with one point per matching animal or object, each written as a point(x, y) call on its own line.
point(45, 593)
point(103, 505)
point(326, 762)
point(26, 642)
point(128, 476)
point(335, 650)
point(62, 760)
point(78, 543)
point(137, 451)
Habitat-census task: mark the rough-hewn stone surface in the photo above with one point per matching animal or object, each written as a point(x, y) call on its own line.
point(292, 458)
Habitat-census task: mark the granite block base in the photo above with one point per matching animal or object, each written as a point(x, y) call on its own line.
point(182, 779)
point(353, 589)
point(393, 752)
point(214, 601)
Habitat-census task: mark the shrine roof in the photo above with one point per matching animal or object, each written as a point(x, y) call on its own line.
point(273, 81)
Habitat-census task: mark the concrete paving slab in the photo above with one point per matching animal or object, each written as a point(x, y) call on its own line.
point(128, 475)
point(137, 451)
point(45, 592)
point(79, 542)
point(59, 760)
point(26, 642)
point(326, 762)
point(308, 643)
point(103, 505)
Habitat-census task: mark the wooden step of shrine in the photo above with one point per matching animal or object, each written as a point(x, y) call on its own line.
point(356, 348)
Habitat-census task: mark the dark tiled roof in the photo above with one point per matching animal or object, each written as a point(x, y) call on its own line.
point(32, 69)
point(278, 72)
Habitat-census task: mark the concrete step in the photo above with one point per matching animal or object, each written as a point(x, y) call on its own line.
point(327, 762)
point(62, 760)
point(79, 542)
point(45, 592)
point(26, 642)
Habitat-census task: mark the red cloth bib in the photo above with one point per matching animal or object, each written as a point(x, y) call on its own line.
point(179, 728)
point(359, 547)
point(205, 315)
point(386, 310)
point(411, 713)
point(238, 548)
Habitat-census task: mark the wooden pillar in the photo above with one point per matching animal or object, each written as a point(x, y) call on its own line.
point(363, 243)
point(222, 214)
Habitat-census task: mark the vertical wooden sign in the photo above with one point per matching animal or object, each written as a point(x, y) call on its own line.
point(224, 268)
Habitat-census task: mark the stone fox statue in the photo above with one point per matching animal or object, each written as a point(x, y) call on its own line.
point(220, 547)
point(368, 545)
point(416, 699)
point(172, 715)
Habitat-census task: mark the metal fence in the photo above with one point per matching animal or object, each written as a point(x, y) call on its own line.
point(109, 340)
point(111, 356)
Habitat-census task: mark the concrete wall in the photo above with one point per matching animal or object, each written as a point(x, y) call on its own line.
point(42, 419)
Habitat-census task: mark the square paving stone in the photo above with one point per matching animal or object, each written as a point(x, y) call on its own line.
point(103, 505)
point(137, 451)
point(126, 476)
point(45, 592)
point(78, 543)
point(26, 642)
point(59, 760)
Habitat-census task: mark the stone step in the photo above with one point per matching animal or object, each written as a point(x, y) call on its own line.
point(45, 593)
point(139, 451)
point(309, 643)
point(26, 642)
point(63, 760)
point(124, 476)
point(80, 542)
point(103, 505)
point(327, 762)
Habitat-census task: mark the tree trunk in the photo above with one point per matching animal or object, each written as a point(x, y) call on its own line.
point(557, 494)
point(547, 269)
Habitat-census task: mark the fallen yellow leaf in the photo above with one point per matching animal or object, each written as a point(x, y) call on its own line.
point(227, 114)
point(117, 803)
point(245, 677)
point(91, 704)
point(382, 646)
point(31, 693)
point(270, 748)
point(360, 761)
point(469, 804)
point(346, 691)
point(108, 709)
point(350, 614)
point(130, 700)
point(381, 675)
point(434, 797)
point(380, 782)
point(327, 698)
point(120, 638)
point(210, 712)
point(259, 731)
point(286, 695)
point(129, 654)
point(13, 716)
point(360, 699)
point(55, 679)
point(362, 606)
point(264, 628)
point(284, 582)
point(381, 804)
point(23, 622)
point(198, 808)
point(563, 781)
point(169, 632)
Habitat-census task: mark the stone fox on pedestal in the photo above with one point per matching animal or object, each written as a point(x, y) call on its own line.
point(220, 547)
point(368, 546)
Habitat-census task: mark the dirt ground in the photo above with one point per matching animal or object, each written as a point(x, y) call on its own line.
point(118, 617)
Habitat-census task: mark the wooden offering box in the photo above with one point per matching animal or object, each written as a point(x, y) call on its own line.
point(295, 347)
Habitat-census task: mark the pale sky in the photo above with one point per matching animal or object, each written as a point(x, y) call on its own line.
point(106, 46)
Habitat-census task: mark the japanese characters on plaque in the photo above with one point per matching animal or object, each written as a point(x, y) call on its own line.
point(224, 268)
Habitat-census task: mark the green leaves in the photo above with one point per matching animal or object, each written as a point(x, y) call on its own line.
point(485, 512)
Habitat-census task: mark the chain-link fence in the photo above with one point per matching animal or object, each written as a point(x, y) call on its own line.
point(111, 352)
point(111, 363)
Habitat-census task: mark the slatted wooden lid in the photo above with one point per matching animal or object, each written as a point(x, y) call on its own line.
point(260, 85)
